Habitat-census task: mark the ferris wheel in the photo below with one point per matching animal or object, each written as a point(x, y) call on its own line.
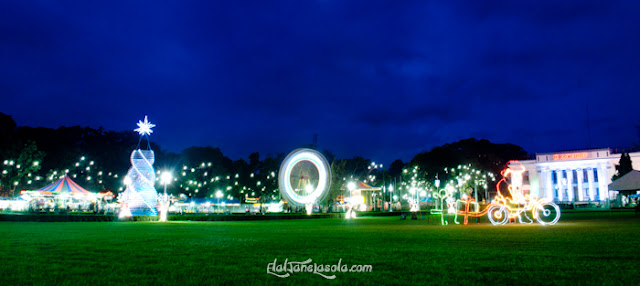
point(311, 194)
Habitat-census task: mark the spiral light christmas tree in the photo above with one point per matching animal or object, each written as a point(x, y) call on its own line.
point(140, 196)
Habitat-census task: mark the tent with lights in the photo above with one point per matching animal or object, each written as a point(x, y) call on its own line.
point(627, 185)
point(366, 187)
point(63, 194)
point(366, 195)
point(63, 186)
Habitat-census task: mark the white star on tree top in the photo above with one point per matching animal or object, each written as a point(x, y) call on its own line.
point(144, 128)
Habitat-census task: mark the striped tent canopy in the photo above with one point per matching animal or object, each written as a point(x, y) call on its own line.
point(63, 186)
point(367, 187)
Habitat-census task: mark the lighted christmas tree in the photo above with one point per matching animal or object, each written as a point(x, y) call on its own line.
point(140, 196)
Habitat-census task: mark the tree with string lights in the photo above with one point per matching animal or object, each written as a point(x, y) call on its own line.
point(20, 171)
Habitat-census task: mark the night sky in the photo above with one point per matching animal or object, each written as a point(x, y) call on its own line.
point(384, 80)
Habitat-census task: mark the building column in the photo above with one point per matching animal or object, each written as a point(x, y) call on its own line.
point(560, 185)
point(570, 185)
point(548, 183)
point(580, 179)
point(592, 187)
point(602, 182)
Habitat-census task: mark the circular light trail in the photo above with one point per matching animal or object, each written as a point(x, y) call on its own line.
point(318, 193)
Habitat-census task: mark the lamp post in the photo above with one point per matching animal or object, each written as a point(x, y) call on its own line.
point(390, 198)
point(164, 201)
point(437, 184)
point(373, 195)
point(218, 196)
point(483, 182)
point(373, 166)
point(475, 190)
point(166, 179)
point(384, 196)
point(413, 193)
point(351, 186)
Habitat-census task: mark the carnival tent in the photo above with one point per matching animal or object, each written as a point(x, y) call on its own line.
point(366, 187)
point(364, 195)
point(63, 186)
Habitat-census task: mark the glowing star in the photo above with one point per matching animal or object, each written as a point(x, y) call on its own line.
point(144, 128)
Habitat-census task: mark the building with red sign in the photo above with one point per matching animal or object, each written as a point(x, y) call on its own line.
point(580, 176)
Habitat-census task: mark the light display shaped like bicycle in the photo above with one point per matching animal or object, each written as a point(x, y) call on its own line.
point(541, 210)
point(524, 208)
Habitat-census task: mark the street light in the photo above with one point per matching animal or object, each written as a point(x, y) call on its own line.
point(350, 213)
point(351, 186)
point(165, 178)
point(375, 203)
point(127, 181)
point(219, 195)
point(390, 198)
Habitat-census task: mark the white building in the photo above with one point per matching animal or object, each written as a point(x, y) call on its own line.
point(580, 176)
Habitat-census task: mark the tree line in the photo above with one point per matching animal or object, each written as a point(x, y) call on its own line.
point(98, 159)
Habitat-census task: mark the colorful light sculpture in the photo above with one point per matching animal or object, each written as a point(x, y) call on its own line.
point(441, 198)
point(140, 196)
point(315, 194)
point(470, 209)
point(544, 211)
point(502, 209)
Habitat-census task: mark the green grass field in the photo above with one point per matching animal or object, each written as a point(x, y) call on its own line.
point(583, 248)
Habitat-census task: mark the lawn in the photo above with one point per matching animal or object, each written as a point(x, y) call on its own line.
point(583, 248)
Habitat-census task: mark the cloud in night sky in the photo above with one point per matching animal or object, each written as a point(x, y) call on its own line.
point(381, 79)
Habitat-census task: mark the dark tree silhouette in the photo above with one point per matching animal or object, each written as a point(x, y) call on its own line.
point(623, 167)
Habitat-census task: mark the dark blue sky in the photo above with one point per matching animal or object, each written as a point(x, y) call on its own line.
point(380, 79)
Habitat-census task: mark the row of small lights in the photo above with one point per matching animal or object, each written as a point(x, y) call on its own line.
point(53, 175)
point(413, 186)
point(463, 174)
point(186, 170)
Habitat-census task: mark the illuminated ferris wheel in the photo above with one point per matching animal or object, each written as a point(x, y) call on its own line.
point(311, 194)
